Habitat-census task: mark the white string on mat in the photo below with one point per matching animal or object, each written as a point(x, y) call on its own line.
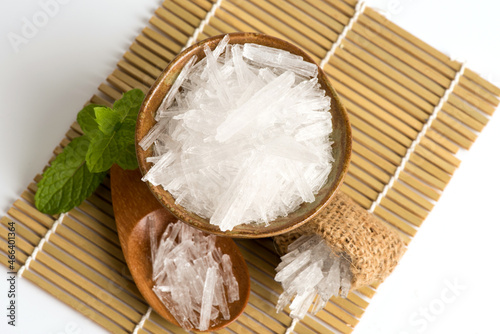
point(202, 25)
point(143, 320)
point(189, 42)
point(417, 140)
point(40, 245)
point(290, 329)
point(358, 10)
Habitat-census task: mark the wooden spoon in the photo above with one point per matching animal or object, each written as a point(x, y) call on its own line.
point(133, 203)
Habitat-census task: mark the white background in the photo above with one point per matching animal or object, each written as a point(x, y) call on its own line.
point(49, 78)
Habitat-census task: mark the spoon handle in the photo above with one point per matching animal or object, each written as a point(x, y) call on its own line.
point(132, 201)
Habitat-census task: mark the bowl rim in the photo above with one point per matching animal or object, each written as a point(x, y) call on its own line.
point(162, 86)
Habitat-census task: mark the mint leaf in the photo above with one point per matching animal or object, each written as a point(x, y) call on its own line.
point(114, 142)
point(103, 151)
point(109, 137)
point(126, 136)
point(68, 181)
point(128, 106)
point(108, 120)
point(86, 118)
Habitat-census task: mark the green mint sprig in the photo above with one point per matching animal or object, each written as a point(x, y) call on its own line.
point(108, 138)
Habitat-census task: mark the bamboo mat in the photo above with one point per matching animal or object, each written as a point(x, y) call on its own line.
point(411, 109)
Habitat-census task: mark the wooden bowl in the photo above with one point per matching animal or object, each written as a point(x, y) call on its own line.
point(341, 137)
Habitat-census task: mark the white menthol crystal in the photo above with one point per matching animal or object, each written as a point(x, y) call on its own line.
point(311, 270)
point(192, 277)
point(243, 136)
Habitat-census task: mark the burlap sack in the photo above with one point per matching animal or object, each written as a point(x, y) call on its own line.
point(373, 248)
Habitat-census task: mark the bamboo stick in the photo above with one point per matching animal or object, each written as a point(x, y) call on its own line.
point(361, 187)
point(206, 5)
point(60, 294)
point(371, 131)
point(309, 20)
point(334, 322)
point(104, 206)
point(439, 139)
point(103, 269)
point(177, 39)
point(366, 41)
point(95, 225)
point(430, 167)
point(383, 67)
point(426, 177)
point(188, 7)
point(135, 73)
point(118, 84)
point(94, 237)
point(122, 76)
point(109, 91)
point(387, 81)
point(251, 324)
point(178, 22)
point(156, 48)
point(152, 327)
point(408, 47)
point(101, 101)
point(23, 232)
point(221, 25)
point(121, 292)
point(342, 314)
point(92, 249)
point(146, 68)
point(475, 100)
point(368, 31)
point(395, 221)
point(467, 109)
point(329, 16)
point(98, 215)
point(435, 159)
point(80, 282)
point(79, 294)
point(356, 100)
point(494, 90)
point(268, 24)
point(34, 226)
point(376, 122)
point(462, 117)
point(30, 210)
point(415, 197)
point(359, 169)
point(263, 318)
point(399, 210)
point(420, 113)
point(374, 146)
point(412, 39)
point(145, 54)
point(162, 39)
point(356, 196)
point(296, 23)
point(23, 248)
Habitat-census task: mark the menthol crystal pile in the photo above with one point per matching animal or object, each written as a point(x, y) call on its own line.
point(243, 135)
point(192, 277)
point(311, 272)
